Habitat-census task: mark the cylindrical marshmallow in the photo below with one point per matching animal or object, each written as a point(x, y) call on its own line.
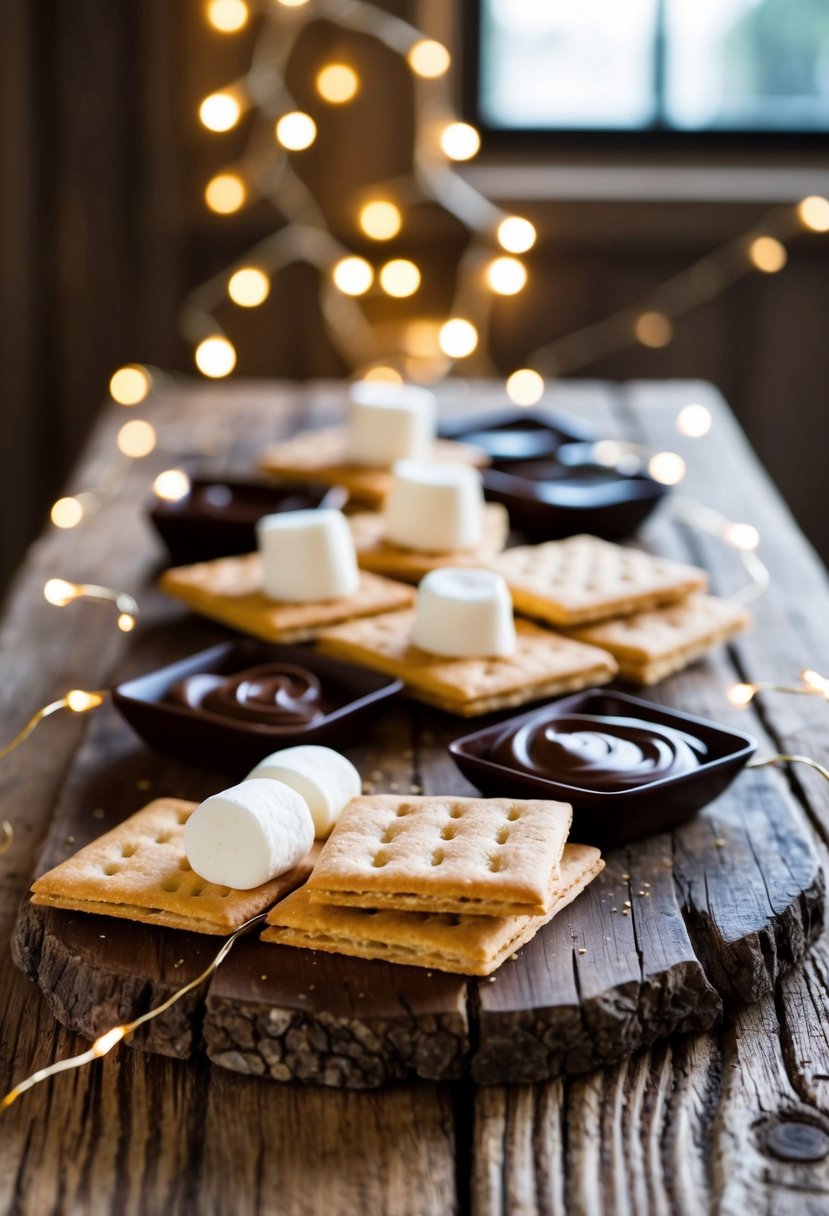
point(248, 834)
point(307, 556)
point(434, 507)
point(389, 422)
point(464, 614)
point(324, 778)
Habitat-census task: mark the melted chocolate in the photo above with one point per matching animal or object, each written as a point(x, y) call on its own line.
point(598, 753)
point(275, 694)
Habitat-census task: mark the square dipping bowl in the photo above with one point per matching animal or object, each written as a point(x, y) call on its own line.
point(611, 817)
point(351, 697)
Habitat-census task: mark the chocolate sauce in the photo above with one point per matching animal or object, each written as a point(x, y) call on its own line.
point(274, 694)
point(598, 753)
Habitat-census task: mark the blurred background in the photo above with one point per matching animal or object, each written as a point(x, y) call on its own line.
point(636, 138)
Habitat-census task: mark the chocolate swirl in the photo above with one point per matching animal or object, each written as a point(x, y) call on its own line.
point(598, 753)
point(274, 694)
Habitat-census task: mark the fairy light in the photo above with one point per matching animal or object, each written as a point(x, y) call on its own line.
point(220, 112)
point(515, 234)
point(813, 213)
point(380, 219)
point(694, 421)
point(399, 278)
point(292, 3)
point(172, 485)
point(813, 684)
point(296, 131)
point(60, 592)
point(353, 276)
point(525, 386)
point(458, 338)
point(129, 385)
point(653, 329)
point(741, 536)
point(66, 513)
point(227, 16)
point(77, 701)
point(459, 141)
point(768, 254)
point(740, 695)
point(382, 374)
point(506, 276)
point(225, 193)
point(136, 438)
point(337, 83)
point(249, 287)
point(215, 357)
point(816, 682)
point(428, 59)
point(667, 467)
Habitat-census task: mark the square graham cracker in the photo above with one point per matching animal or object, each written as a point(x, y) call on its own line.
point(542, 665)
point(229, 590)
point(441, 941)
point(484, 856)
point(381, 556)
point(583, 578)
point(321, 456)
point(649, 646)
point(139, 871)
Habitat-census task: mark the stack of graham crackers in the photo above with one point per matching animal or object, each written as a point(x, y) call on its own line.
point(451, 884)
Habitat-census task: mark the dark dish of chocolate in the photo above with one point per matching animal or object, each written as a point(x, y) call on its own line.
point(273, 694)
point(599, 752)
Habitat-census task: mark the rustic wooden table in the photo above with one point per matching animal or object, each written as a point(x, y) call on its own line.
point(736, 1120)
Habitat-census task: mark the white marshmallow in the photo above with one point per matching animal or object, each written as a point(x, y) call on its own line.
point(307, 556)
point(434, 507)
point(248, 834)
point(389, 422)
point(464, 614)
point(324, 778)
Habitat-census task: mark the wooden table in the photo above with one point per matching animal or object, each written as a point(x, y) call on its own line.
point(733, 1121)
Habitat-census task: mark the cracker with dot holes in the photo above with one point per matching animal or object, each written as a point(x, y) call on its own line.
point(442, 941)
point(542, 665)
point(229, 590)
point(139, 871)
point(485, 856)
point(321, 456)
point(377, 554)
point(649, 646)
point(583, 578)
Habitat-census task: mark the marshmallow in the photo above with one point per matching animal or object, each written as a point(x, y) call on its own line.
point(389, 422)
point(324, 778)
point(464, 614)
point(435, 507)
point(248, 834)
point(307, 556)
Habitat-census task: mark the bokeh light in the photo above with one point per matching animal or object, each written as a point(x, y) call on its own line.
point(220, 112)
point(516, 234)
point(399, 278)
point(225, 193)
point(353, 275)
point(380, 219)
point(337, 83)
point(215, 357)
point(694, 420)
point(653, 329)
point(136, 438)
point(382, 374)
point(296, 131)
point(129, 385)
point(525, 386)
point(66, 513)
point(742, 536)
point(460, 141)
point(171, 485)
point(458, 338)
point(768, 254)
point(667, 468)
point(428, 59)
point(506, 276)
point(813, 213)
point(248, 287)
point(227, 16)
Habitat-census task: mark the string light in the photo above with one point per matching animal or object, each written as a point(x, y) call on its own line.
point(227, 16)
point(337, 83)
point(383, 374)
point(66, 513)
point(458, 338)
point(741, 695)
point(815, 681)
point(694, 421)
point(129, 385)
point(506, 276)
point(353, 276)
point(525, 386)
point(813, 684)
point(653, 329)
point(225, 193)
point(741, 536)
point(292, 3)
point(220, 112)
point(667, 467)
point(768, 254)
point(249, 287)
point(459, 141)
point(380, 219)
point(215, 357)
point(77, 701)
point(60, 592)
point(399, 278)
point(516, 234)
point(172, 485)
point(428, 59)
point(296, 131)
point(813, 213)
point(136, 438)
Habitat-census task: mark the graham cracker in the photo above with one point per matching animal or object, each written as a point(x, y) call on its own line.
point(542, 665)
point(441, 941)
point(484, 856)
point(321, 456)
point(583, 578)
point(229, 590)
point(376, 553)
point(649, 646)
point(139, 871)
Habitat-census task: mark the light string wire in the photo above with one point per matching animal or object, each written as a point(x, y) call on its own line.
point(713, 523)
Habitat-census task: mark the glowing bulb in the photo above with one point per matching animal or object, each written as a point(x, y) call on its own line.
point(741, 536)
point(819, 683)
point(292, 3)
point(249, 287)
point(515, 234)
point(458, 338)
point(225, 193)
point(296, 131)
point(525, 387)
point(740, 695)
point(66, 513)
point(383, 374)
point(428, 59)
point(399, 278)
point(171, 485)
point(337, 83)
point(667, 468)
point(381, 220)
point(59, 592)
point(506, 276)
point(107, 1041)
point(814, 213)
point(694, 421)
point(130, 384)
point(353, 276)
point(125, 622)
point(79, 701)
point(136, 438)
point(768, 254)
point(220, 112)
point(653, 329)
point(215, 357)
point(460, 141)
point(227, 16)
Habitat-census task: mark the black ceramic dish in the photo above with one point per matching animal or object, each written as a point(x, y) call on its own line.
point(350, 697)
point(218, 517)
point(612, 817)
